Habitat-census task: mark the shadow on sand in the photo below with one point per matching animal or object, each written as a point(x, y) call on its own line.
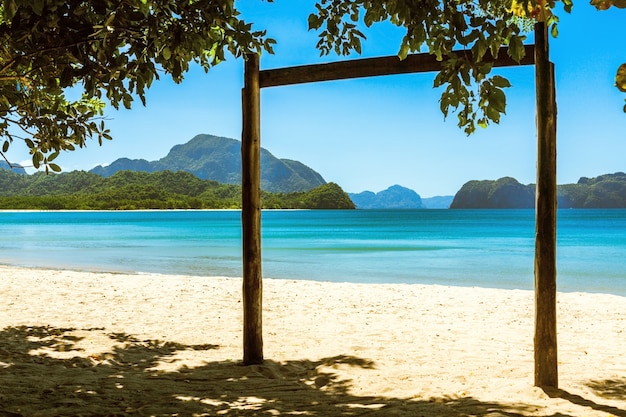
point(613, 389)
point(44, 371)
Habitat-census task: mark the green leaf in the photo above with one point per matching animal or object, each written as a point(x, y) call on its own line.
point(38, 7)
point(554, 30)
point(497, 100)
point(109, 20)
point(37, 159)
point(465, 74)
point(500, 81)
point(53, 156)
point(493, 114)
point(478, 50)
point(314, 21)
point(567, 5)
point(516, 48)
point(166, 53)
point(620, 78)
point(10, 9)
point(55, 167)
point(404, 51)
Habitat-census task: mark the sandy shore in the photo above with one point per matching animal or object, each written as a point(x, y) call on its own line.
point(77, 343)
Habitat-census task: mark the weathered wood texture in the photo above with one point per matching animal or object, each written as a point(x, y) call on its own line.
point(250, 149)
point(546, 372)
point(370, 67)
point(251, 214)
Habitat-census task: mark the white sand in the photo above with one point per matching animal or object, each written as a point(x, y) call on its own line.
point(76, 343)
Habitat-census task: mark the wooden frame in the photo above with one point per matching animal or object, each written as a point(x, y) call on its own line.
point(546, 372)
point(545, 229)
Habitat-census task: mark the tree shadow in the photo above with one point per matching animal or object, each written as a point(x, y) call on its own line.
point(47, 371)
point(614, 389)
point(611, 389)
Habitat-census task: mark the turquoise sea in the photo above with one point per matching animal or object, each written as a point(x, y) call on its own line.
point(487, 248)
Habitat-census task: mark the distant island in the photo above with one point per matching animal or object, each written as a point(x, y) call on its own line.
point(604, 191)
point(216, 162)
point(394, 197)
point(132, 190)
point(204, 173)
point(399, 198)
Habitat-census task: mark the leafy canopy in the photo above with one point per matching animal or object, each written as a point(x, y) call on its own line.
point(441, 28)
point(111, 50)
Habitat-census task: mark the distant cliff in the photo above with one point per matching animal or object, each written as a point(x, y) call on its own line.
point(394, 197)
point(219, 159)
point(605, 191)
point(503, 193)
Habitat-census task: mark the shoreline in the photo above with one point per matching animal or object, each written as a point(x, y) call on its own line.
point(338, 281)
point(392, 349)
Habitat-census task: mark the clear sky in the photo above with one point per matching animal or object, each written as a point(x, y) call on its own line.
point(369, 134)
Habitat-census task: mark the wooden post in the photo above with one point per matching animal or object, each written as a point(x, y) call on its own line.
point(251, 213)
point(546, 373)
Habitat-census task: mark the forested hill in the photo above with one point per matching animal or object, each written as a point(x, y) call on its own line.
point(130, 190)
point(219, 159)
point(604, 191)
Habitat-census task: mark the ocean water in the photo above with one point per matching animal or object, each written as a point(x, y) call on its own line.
point(486, 248)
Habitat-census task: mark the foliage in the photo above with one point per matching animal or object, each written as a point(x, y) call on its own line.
point(604, 191)
point(112, 50)
point(506, 192)
point(327, 196)
point(443, 28)
point(130, 190)
point(108, 49)
point(440, 28)
point(620, 76)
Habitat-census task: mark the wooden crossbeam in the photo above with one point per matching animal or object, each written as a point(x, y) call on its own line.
point(371, 67)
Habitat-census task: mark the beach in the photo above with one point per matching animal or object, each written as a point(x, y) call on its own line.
point(83, 343)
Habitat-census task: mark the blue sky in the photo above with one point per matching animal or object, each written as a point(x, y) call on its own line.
point(369, 134)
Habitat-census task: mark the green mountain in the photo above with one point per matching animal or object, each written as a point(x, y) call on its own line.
point(604, 191)
point(219, 159)
point(503, 193)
